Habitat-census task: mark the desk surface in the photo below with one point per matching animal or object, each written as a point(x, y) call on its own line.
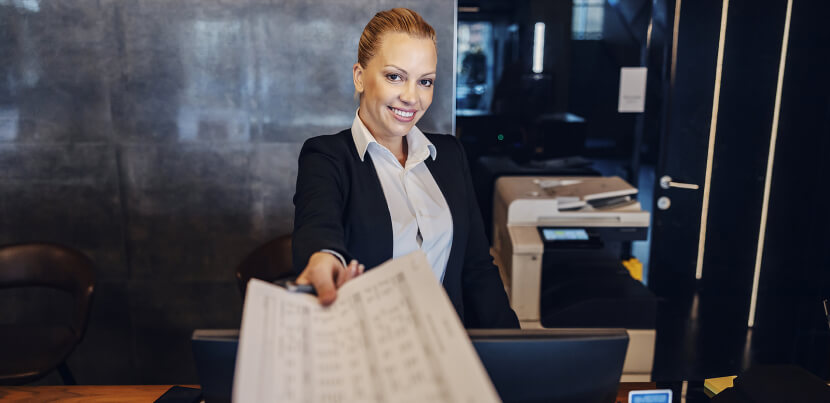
point(149, 393)
point(73, 394)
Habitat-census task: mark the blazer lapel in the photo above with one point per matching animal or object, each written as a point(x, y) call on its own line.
point(377, 211)
point(443, 178)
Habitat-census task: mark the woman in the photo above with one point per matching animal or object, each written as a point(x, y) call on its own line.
point(383, 188)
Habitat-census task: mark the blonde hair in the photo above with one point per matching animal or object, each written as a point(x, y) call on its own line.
point(400, 20)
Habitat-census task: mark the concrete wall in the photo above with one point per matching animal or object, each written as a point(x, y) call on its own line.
point(161, 138)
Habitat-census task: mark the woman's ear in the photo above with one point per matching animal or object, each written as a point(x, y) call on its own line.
point(357, 73)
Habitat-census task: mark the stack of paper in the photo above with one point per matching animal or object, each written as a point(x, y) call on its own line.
point(603, 193)
point(392, 335)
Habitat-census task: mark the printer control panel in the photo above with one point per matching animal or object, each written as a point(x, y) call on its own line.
point(570, 238)
point(588, 237)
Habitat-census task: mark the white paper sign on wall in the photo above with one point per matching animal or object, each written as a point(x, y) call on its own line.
point(632, 89)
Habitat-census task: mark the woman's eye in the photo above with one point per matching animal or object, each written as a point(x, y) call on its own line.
point(426, 83)
point(393, 77)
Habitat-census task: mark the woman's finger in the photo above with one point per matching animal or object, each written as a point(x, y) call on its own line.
point(347, 274)
point(323, 282)
point(302, 279)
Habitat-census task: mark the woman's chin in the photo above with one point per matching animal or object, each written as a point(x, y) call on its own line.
point(399, 128)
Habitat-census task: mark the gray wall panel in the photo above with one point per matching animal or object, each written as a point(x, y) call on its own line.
point(56, 61)
point(65, 193)
point(161, 138)
point(196, 209)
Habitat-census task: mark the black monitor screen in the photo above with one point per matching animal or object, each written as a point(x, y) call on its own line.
point(545, 365)
point(553, 365)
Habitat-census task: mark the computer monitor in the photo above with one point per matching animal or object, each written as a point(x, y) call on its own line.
point(214, 351)
point(545, 365)
point(553, 365)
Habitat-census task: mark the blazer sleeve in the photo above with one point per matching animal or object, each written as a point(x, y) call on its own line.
point(485, 302)
point(319, 202)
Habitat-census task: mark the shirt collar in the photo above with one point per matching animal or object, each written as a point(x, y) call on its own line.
point(418, 143)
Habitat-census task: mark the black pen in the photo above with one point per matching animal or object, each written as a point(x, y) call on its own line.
point(827, 311)
point(291, 286)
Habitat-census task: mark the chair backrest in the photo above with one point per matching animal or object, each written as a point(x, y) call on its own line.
point(53, 266)
point(270, 261)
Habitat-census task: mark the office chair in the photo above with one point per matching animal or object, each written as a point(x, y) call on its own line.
point(270, 261)
point(31, 351)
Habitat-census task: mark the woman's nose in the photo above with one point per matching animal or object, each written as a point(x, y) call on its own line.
point(407, 94)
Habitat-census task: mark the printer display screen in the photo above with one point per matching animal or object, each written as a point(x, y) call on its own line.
point(565, 234)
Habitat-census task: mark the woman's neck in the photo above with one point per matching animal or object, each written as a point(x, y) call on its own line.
point(396, 144)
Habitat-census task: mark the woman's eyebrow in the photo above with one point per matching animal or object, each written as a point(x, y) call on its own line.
point(405, 72)
point(396, 67)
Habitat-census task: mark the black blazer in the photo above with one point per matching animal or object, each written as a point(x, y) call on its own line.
point(340, 205)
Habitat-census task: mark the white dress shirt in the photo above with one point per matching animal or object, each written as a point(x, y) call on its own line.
point(420, 215)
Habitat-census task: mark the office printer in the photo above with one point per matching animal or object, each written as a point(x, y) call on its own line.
point(558, 243)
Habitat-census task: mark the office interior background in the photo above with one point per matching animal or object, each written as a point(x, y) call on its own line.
point(161, 138)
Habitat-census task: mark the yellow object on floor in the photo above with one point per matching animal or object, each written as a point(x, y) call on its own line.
point(713, 386)
point(635, 268)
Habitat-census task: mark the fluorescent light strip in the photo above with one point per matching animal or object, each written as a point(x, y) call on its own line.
point(674, 41)
point(713, 127)
point(454, 67)
point(538, 46)
point(759, 252)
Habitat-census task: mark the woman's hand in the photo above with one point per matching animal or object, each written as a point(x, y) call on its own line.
point(326, 273)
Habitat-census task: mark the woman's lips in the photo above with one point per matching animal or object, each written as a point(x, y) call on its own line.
point(403, 115)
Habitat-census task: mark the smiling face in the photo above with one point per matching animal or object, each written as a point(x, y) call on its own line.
point(396, 85)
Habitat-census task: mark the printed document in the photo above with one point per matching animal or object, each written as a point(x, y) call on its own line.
point(392, 335)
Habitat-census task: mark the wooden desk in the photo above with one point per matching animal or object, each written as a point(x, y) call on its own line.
point(95, 394)
point(149, 393)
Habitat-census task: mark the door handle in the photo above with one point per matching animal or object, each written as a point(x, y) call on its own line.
point(666, 182)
